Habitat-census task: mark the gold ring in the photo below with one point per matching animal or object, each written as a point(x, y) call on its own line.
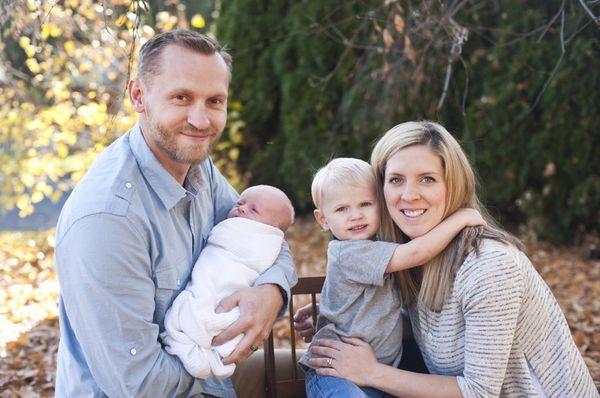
point(253, 347)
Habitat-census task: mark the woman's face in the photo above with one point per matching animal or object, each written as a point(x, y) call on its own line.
point(415, 189)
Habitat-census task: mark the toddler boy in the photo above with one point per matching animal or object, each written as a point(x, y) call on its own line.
point(359, 298)
point(237, 251)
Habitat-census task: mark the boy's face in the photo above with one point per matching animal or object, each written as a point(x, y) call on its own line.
point(350, 212)
point(263, 205)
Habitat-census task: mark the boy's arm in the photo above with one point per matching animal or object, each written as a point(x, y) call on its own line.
point(422, 249)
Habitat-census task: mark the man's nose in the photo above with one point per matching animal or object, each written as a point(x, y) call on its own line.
point(198, 117)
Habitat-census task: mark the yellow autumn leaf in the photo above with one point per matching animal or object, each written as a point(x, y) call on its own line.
point(24, 41)
point(387, 38)
point(33, 65)
point(37, 197)
point(62, 150)
point(399, 24)
point(69, 46)
point(122, 19)
point(198, 21)
point(22, 202)
point(55, 30)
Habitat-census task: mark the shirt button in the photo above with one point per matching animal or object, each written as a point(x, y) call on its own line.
point(178, 282)
point(128, 185)
point(133, 351)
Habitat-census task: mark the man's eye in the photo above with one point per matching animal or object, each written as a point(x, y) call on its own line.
point(217, 101)
point(180, 97)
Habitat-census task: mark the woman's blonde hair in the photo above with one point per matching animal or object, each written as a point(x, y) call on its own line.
point(434, 281)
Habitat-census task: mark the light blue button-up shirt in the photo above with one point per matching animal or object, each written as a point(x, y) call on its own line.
point(127, 239)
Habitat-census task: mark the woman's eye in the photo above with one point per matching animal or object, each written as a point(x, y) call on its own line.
point(366, 204)
point(394, 180)
point(428, 179)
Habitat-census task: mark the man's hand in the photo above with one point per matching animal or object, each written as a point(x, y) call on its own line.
point(259, 307)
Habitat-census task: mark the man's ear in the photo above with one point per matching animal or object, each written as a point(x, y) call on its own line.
point(321, 220)
point(136, 95)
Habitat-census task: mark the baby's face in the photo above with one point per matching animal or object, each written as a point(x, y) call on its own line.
point(264, 205)
point(350, 212)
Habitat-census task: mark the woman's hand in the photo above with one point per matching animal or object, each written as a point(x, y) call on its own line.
point(303, 322)
point(352, 359)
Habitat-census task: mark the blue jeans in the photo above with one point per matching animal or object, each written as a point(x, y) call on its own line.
point(332, 387)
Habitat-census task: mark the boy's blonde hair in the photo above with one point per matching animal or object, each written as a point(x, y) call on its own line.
point(340, 172)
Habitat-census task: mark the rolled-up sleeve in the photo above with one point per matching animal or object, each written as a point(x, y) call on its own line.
point(108, 293)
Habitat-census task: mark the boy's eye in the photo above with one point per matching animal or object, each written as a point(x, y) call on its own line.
point(341, 209)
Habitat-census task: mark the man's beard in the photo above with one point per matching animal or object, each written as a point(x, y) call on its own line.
point(166, 139)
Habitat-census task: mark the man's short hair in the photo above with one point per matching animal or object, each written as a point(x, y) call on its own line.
point(149, 57)
point(340, 172)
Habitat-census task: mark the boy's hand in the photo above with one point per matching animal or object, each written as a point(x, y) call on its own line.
point(303, 322)
point(470, 217)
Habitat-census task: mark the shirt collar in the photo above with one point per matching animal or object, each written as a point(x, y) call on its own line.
point(168, 190)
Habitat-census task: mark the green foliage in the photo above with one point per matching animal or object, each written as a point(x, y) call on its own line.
point(290, 71)
point(320, 79)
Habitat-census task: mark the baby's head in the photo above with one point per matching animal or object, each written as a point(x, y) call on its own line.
point(343, 192)
point(265, 204)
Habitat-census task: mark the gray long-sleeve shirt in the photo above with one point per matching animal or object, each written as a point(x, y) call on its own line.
point(126, 242)
point(500, 330)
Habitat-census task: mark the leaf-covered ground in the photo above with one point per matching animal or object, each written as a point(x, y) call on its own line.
point(29, 293)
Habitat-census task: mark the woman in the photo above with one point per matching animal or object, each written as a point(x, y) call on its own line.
point(485, 321)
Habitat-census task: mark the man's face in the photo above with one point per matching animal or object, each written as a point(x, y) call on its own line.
point(183, 109)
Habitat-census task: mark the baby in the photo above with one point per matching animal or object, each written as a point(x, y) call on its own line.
point(238, 249)
point(359, 298)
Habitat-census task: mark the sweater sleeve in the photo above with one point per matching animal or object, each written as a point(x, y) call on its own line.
point(492, 288)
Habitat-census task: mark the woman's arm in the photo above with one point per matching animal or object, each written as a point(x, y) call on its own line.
point(354, 360)
point(422, 249)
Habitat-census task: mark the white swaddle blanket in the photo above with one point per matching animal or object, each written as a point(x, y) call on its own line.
point(238, 250)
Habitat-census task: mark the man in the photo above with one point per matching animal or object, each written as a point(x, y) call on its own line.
point(132, 229)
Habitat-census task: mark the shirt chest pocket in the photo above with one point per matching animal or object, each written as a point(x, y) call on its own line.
point(168, 285)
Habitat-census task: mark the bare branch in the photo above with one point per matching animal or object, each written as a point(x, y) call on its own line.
point(549, 24)
point(48, 14)
point(596, 19)
point(558, 62)
point(460, 37)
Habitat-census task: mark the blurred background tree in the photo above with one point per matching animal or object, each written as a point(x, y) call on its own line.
point(516, 81)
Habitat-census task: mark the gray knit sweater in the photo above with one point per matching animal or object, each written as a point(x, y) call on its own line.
point(500, 329)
